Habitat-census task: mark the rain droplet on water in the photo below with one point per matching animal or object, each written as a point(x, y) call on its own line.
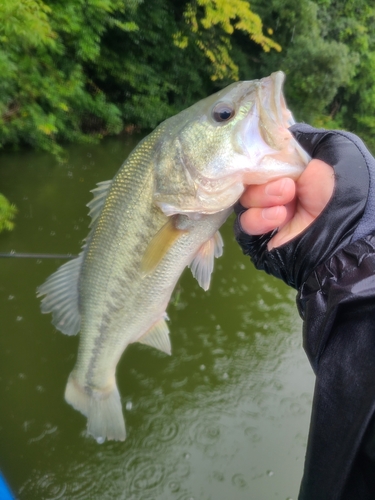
point(174, 487)
point(238, 480)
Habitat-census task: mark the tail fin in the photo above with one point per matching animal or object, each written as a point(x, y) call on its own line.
point(103, 411)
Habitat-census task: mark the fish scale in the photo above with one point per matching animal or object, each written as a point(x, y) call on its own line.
point(161, 213)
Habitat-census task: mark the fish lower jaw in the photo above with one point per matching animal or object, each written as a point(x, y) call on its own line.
point(271, 169)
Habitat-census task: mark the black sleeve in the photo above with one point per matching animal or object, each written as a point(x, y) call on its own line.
point(337, 303)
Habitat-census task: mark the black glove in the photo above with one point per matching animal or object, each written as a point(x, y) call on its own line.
point(346, 217)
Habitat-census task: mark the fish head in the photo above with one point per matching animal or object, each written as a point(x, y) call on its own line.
point(208, 153)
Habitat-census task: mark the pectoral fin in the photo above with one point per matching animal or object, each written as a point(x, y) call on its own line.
point(203, 263)
point(158, 337)
point(160, 244)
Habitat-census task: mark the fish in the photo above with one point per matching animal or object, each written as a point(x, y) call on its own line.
point(160, 214)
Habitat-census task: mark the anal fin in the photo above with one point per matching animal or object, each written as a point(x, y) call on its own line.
point(158, 337)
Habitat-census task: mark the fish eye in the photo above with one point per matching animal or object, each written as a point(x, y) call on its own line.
point(222, 112)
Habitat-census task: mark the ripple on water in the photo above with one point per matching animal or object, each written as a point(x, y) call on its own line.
point(144, 473)
point(252, 433)
point(82, 484)
point(238, 480)
point(148, 477)
point(181, 467)
point(163, 429)
point(206, 433)
point(174, 486)
point(187, 496)
point(48, 487)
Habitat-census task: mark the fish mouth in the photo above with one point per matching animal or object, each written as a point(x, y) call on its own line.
point(274, 121)
point(274, 116)
point(278, 105)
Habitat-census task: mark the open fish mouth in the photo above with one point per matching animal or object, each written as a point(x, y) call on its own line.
point(278, 107)
point(274, 121)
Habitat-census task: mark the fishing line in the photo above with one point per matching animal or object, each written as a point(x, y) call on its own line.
point(18, 255)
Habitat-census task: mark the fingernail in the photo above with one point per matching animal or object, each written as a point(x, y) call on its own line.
point(276, 188)
point(271, 213)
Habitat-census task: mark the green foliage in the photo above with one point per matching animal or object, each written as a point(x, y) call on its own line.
point(211, 21)
point(46, 95)
point(329, 58)
point(75, 70)
point(353, 107)
point(316, 66)
point(7, 214)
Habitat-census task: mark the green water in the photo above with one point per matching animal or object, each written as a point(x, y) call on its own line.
point(226, 416)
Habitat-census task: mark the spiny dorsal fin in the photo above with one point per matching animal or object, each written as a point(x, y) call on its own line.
point(160, 244)
point(61, 288)
point(61, 296)
point(158, 337)
point(203, 263)
point(97, 203)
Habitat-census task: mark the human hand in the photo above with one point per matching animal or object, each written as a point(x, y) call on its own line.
point(322, 212)
point(287, 205)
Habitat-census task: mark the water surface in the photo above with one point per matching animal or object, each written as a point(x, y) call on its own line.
point(226, 416)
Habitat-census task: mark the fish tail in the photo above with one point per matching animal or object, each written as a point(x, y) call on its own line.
point(102, 409)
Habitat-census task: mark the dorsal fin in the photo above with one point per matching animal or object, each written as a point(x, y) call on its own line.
point(61, 288)
point(97, 203)
point(61, 296)
point(203, 263)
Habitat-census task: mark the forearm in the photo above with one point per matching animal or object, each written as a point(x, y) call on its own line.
point(338, 306)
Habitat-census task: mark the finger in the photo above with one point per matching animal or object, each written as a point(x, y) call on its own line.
point(278, 192)
point(257, 221)
point(315, 187)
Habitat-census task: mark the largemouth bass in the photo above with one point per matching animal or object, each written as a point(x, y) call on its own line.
point(161, 213)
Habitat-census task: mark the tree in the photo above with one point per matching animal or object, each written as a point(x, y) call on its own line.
point(353, 106)
point(74, 70)
point(316, 66)
point(211, 21)
point(45, 96)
